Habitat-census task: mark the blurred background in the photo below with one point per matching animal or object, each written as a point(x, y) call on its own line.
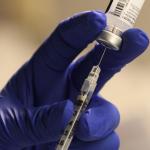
point(24, 24)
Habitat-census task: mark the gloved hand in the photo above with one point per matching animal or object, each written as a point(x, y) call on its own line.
point(37, 102)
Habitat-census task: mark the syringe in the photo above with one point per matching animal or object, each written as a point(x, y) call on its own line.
point(83, 100)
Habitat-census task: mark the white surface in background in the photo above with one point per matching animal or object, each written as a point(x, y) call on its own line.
point(15, 49)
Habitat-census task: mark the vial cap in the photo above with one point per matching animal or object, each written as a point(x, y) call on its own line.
point(110, 40)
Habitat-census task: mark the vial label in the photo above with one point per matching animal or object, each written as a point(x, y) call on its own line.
point(126, 10)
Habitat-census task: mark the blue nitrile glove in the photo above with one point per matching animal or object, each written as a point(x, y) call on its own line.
point(37, 102)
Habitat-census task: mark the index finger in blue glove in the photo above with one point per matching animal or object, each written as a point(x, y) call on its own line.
point(135, 43)
point(99, 120)
point(71, 37)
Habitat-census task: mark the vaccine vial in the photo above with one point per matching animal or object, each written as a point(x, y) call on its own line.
point(121, 16)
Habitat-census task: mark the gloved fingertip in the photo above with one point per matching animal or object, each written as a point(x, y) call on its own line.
point(98, 121)
point(136, 38)
point(97, 19)
point(116, 140)
point(111, 142)
point(82, 29)
point(135, 42)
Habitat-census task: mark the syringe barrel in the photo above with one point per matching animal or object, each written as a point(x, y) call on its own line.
point(83, 100)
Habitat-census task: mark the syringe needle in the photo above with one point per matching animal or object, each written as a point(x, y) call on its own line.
point(103, 54)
